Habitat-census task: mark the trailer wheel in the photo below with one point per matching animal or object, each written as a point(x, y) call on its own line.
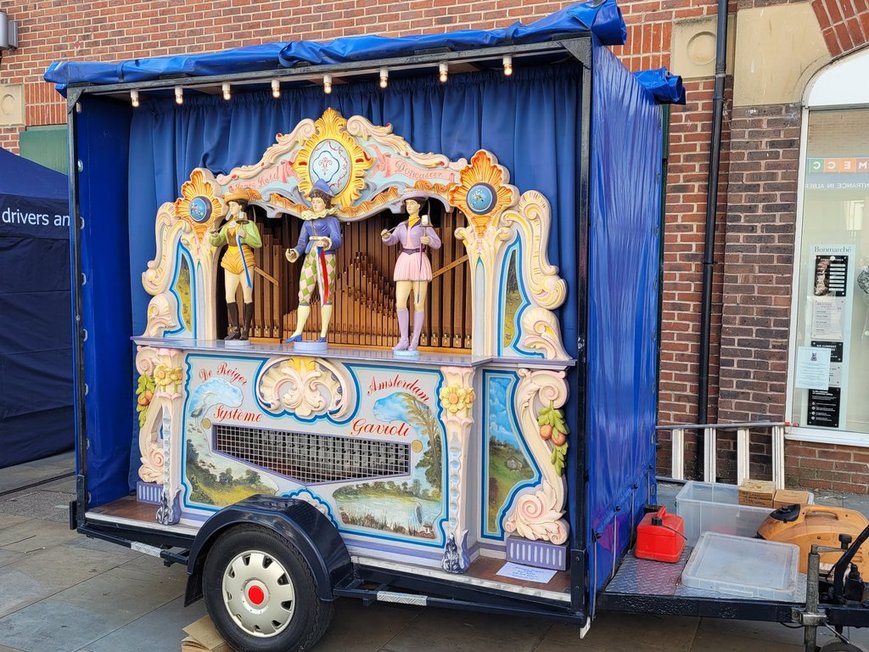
point(260, 593)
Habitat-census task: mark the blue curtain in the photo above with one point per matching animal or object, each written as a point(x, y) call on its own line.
point(530, 121)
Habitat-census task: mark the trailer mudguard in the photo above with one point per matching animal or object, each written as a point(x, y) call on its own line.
point(312, 533)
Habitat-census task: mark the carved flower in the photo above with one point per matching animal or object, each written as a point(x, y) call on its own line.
point(456, 398)
point(198, 205)
point(165, 375)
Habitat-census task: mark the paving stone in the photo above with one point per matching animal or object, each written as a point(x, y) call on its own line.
point(357, 628)
point(9, 557)
point(735, 643)
point(45, 505)
point(611, 631)
point(124, 593)
point(34, 534)
point(66, 485)
point(45, 572)
point(161, 629)
point(8, 520)
point(21, 475)
point(441, 630)
point(54, 626)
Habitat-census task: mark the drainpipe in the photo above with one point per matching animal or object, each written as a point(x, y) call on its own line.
point(711, 206)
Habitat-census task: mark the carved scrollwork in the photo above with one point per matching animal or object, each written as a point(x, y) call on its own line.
point(361, 128)
point(306, 387)
point(285, 142)
point(167, 230)
point(162, 315)
point(538, 512)
point(541, 332)
point(539, 515)
point(532, 217)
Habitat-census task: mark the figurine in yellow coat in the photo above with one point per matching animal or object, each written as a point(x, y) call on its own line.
point(241, 237)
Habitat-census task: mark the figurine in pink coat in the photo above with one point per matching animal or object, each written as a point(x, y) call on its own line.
point(412, 270)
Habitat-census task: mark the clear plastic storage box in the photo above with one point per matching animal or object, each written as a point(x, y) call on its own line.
point(712, 507)
point(734, 565)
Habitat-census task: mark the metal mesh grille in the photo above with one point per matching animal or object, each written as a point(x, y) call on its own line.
point(313, 458)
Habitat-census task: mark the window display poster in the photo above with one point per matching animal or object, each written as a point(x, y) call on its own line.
point(828, 316)
point(813, 368)
point(835, 349)
point(829, 329)
point(831, 275)
point(824, 407)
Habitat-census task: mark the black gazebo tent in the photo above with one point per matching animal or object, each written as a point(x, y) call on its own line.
point(36, 413)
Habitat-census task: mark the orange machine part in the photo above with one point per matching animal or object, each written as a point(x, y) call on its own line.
point(818, 525)
point(660, 536)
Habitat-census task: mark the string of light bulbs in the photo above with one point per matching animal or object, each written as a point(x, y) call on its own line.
point(226, 87)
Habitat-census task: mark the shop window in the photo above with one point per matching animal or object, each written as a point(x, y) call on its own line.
point(829, 389)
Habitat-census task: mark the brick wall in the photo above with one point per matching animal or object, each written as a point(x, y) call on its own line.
point(827, 467)
point(844, 23)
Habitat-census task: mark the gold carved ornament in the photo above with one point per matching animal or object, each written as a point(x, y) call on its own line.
point(331, 126)
point(482, 192)
point(198, 205)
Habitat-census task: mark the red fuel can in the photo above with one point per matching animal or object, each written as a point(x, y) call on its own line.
point(660, 536)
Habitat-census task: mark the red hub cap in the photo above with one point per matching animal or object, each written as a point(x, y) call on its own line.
point(256, 595)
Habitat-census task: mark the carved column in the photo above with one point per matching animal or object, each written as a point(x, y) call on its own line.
point(457, 400)
point(160, 398)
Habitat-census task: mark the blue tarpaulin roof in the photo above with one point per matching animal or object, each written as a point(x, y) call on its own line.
point(603, 19)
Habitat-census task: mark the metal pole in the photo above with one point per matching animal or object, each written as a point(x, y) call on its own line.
point(711, 210)
point(810, 631)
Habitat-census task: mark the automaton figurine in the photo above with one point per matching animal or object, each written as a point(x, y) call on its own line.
point(241, 236)
point(319, 240)
point(412, 270)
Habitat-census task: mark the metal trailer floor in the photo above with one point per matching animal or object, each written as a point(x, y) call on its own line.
point(645, 586)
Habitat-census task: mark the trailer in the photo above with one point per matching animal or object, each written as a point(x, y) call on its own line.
point(499, 457)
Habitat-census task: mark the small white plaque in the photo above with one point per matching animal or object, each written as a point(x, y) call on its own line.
point(526, 573)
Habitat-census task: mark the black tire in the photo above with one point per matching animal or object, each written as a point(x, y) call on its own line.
point(267, 567)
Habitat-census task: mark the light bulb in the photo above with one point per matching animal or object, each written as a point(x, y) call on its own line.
point(384, 77)
point(134, 98)
point(276, 88)
point(443, 69)
point(508, 65)
point(179, 95)
point(227, 94)
point(327, 84)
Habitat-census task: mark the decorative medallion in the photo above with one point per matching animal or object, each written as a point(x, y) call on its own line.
point(198, 204)
point(334, 156)
point(481, 198)
point(483, 191)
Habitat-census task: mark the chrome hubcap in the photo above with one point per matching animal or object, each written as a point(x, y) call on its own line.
point(258, 593)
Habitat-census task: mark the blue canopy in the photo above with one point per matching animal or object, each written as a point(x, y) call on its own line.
point(603, 19)
point(36, 415)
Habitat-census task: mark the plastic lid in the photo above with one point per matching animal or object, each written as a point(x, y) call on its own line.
point(743, 566)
